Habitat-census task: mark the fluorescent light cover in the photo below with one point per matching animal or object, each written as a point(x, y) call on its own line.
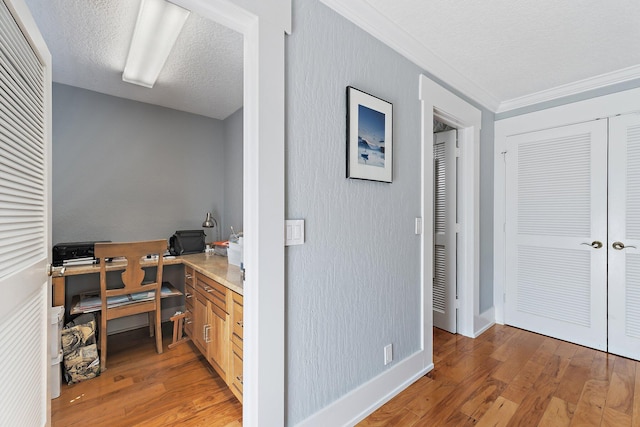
point(157, 28)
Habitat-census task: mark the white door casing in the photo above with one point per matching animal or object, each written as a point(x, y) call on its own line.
point(556, 207)
point(444, 233)
point(450, 109)
point(25, 218)
point(624, 235)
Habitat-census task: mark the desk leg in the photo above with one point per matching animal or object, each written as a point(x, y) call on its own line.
point(58, 290)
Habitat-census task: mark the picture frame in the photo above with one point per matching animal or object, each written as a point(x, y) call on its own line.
point(369, 137)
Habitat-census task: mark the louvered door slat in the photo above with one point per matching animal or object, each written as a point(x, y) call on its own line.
point(556, 201)
point(23, 60)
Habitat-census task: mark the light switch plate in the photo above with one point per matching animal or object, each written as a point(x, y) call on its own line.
point(294, 232)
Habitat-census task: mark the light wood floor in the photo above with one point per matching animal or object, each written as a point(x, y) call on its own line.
point(143, 388)
point(504, 377)
point(510, 377)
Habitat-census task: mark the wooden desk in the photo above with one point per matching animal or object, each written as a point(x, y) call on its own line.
point(212, 266)
point(213, 316)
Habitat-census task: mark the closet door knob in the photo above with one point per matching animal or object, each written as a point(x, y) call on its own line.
point(618, 246)
point(595, 244)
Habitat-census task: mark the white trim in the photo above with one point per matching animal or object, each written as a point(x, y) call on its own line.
point(263, 198)
point(484, 321)
point(580, 86)
point(365, 399)
point(369, 19)
point(454, 111)
point(577, 112)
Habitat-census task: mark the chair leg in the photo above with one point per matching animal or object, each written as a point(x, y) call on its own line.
point(151, 323)
point(103, 342)
point(158, 323)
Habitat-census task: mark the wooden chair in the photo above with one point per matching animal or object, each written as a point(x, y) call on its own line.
point(132, 282)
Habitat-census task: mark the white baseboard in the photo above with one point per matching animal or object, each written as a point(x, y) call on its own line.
point(484, 321)
point(361, 402)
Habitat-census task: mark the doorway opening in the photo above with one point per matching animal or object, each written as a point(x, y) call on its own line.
point(445, 148)
point(442, 105)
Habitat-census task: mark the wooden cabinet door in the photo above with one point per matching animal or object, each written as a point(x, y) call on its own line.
point(219, 340)
point(200, 324)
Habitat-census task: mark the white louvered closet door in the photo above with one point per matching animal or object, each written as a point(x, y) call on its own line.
point(624, 235)
point(24, 219)
point(556, 210)
point(444, 251)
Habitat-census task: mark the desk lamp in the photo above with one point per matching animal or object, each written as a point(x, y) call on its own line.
point(209, 222)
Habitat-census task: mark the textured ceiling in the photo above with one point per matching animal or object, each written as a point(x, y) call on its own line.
point(496, 52)
point(89, 42)
point(509, 49)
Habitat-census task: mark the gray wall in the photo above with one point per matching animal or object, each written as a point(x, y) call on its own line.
point(125, 170)
point(233, 161)
point(354, 286)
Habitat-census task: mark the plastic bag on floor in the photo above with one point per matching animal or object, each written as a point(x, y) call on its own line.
point(80, 353)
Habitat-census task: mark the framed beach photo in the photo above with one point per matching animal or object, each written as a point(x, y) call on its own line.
point(369, 137)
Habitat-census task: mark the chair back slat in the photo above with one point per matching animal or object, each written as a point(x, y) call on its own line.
point(133, 280)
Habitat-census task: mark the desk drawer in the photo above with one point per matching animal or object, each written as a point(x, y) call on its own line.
point(188, 322)
point(189, 296)
point(238, 324)
point(238, 377)
point(189, 276)
point(214, 291)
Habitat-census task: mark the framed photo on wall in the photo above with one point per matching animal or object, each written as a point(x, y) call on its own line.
point(369, 137)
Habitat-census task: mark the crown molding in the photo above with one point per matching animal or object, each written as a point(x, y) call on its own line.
point(580, 86)
point(379, 26)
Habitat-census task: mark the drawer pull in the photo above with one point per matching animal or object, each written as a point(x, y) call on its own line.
point(208, 289)
point(239, 378)
point(241, 324)
point(187, 295)
point(188, 321)
point(188, 276)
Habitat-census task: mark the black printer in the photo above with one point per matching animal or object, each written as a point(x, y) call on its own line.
point(77, 250)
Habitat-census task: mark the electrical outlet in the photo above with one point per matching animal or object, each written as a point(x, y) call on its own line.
point(388, 354)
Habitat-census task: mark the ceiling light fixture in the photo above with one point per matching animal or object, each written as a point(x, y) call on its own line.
point(157, 28)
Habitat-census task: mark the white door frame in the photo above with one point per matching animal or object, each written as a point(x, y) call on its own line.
point(439, 103)
point(577, 112)
point(263, 25)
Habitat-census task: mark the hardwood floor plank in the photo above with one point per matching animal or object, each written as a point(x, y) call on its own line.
point(521, 385)
point(499, 414)
point(422, 387)
point(576, 375)
point(557, 414)
point(482, 399)
point(613, 418)
point(621, 390)
point(533, 405)
point(451, 403)
point(392, 417)
point(591, 404)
